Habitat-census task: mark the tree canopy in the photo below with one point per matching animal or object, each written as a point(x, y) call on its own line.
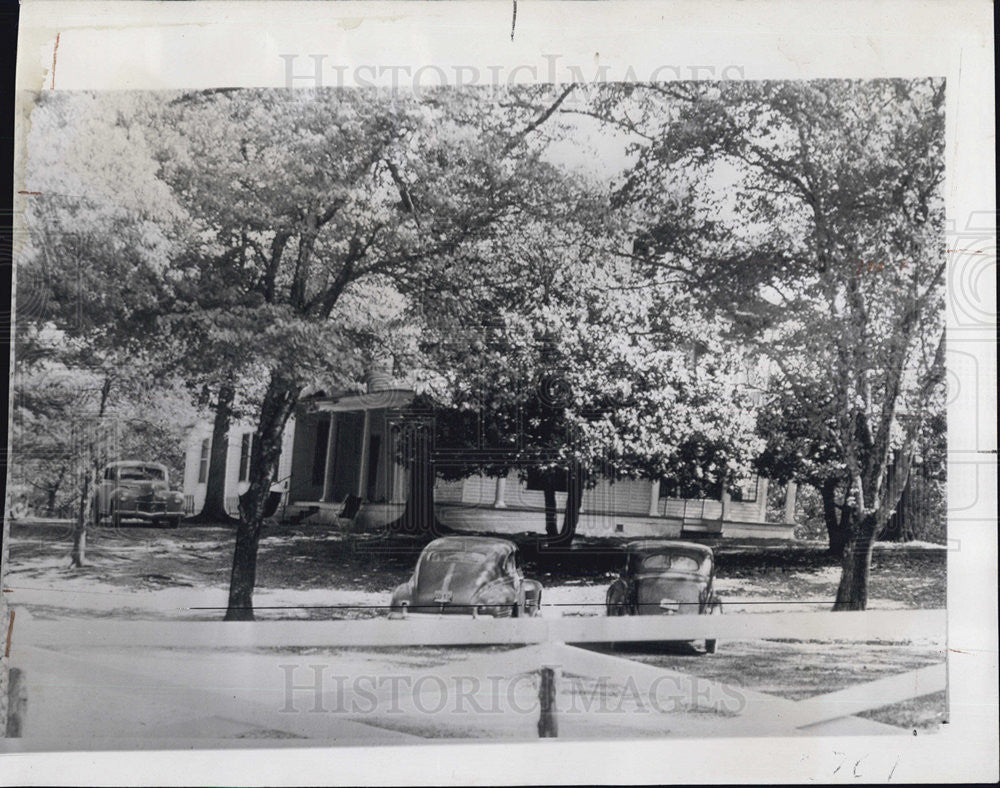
point(824, 250)
point(253, 244)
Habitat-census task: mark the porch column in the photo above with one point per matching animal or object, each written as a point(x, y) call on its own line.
point(398, 484)
point(327, 466)
point(498, 502)
point(790, 492)
point(365, 447)
point(654, 498)
point(762, 484)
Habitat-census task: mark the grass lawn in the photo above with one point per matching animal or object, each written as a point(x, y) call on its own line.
point(318, 558)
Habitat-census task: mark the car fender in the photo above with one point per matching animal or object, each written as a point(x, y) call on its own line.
point(401, 593)
point(532, 589)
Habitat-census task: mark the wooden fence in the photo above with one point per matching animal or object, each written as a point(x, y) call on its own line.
point(545, 650)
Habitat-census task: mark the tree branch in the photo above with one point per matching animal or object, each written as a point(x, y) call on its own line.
point(537, 122)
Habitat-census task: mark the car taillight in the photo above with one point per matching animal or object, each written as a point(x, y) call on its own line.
point(494, 600)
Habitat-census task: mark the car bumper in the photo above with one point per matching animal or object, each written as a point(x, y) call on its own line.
point(680, 609)
point(141, 514)
point(399, 615)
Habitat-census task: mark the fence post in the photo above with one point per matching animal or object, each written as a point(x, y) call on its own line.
point(17, 703)
point(548, 725)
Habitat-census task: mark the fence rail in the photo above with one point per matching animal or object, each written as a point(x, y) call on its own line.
point(37, 650)
point(454, 631)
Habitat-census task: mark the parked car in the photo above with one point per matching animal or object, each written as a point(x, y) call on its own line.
point(663, 577)
point(131, 489)
point(467, 575)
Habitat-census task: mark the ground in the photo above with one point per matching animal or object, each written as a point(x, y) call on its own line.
point(314, 572)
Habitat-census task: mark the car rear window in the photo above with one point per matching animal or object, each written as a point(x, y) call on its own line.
point(679, 562)
point(454, 557)
point(460, 565)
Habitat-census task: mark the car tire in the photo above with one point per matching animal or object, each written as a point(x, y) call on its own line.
point(174, 522)
point(617, 605)
point(711, 644)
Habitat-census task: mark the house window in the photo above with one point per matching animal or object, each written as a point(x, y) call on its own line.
point(668, 488)
point(536, 479)
point(246, 446)
point(203, 462)
point(692, 490)
point(747, 491)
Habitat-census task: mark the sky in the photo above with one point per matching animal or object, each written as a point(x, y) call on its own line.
point(591, 147)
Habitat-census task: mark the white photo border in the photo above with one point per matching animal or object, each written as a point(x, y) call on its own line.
point(142, 45)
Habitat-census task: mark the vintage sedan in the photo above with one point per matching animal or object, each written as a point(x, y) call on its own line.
point(135, 490)
point(664, 577)
point(467, 575)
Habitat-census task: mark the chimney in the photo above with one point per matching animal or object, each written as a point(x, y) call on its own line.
point(379, 376)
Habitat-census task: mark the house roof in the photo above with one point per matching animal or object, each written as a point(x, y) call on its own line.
point(374, 400)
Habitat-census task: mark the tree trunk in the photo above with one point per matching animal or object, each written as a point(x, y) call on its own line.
point(50, 501)
point(422, 485)
point(551, 515)
point(835, 526)
point(92, 438)
point(574, 499)
point(419, 517)
point(78, 552)
point(900, 526)
point(214, 509)
point(852, 594)
point(279, 400)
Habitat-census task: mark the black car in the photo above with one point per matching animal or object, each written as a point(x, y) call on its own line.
point(665, 578)
point(467, 575)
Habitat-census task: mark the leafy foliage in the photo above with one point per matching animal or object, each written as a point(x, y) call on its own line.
point(826, 253)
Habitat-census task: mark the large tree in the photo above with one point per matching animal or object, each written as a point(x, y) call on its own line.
point(573, 363)
point(815, 223)
point(326, 189)
point(101, 233)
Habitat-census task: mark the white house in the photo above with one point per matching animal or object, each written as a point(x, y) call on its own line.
point(338, 445)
